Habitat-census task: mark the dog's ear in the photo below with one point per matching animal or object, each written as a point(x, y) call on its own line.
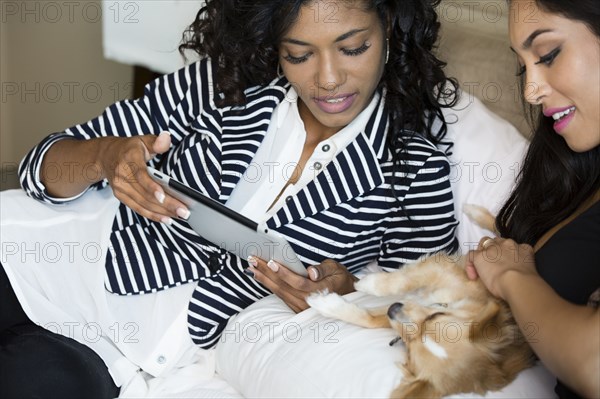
point(415, 388)
point(486, 322)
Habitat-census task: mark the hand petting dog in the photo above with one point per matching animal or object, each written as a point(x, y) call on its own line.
point(496, 260)
point(293, 288)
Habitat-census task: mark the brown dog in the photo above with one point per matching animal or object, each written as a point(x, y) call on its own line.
point(458, 337)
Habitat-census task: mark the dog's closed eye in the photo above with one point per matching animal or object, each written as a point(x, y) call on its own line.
point(434, 315)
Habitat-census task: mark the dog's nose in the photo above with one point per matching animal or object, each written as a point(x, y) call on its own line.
point(394, 309)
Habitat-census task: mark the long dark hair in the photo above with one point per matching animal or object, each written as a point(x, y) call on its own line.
point(554, 179)
point(243, 37)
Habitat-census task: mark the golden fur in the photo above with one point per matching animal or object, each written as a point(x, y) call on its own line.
point(458, 337)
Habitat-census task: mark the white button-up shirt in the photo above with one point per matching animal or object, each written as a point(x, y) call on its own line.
point(278, 155)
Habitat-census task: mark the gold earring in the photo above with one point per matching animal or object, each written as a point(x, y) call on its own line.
point(387, 50)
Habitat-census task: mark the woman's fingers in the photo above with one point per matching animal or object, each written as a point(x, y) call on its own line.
point(162, 143)
point(147, 207)
point(293, 288)
point(485, 242)
point(293, 298)
point(283, 279)
point(287, 285)
point(154, 145)
point(495, 258)
point(131, 183)
point(471, 271)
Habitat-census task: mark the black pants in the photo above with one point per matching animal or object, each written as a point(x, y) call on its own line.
point(36, 363)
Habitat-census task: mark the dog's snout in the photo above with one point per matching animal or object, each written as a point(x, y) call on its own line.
point(394, 309)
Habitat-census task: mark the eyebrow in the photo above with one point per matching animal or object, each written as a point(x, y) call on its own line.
point(527, 43)
point(338, 39)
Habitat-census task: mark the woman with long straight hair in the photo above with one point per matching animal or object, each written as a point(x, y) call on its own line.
point(547, 263)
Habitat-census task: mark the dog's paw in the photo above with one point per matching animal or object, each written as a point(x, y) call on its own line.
point(481, 216)
point(330, 305)
point(370, 284)
point(475, 212)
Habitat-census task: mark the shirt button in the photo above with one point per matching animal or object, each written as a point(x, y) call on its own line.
point(214, 264)
point(318, 165)
point(161, 359)
point(288, 198)
point(326, 147)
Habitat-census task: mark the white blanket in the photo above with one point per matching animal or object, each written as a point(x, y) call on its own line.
point(54, 257)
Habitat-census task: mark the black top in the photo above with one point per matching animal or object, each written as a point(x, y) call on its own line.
point(570, 260)
point(570, 263)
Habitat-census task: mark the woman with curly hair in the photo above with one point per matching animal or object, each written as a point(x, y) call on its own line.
point(314, 117)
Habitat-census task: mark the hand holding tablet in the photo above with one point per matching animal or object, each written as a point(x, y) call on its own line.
point(228, 229)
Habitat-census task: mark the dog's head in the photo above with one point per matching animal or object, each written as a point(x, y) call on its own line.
point(469, 345)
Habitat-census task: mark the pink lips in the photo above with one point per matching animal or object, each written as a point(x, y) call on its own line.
point(346, 101)
point(562, 123)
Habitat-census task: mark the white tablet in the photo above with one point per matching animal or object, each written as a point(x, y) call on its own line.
point(228, 229)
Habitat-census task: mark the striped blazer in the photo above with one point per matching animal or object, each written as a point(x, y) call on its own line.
point(347, 213)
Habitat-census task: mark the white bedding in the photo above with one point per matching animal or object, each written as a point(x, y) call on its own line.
point(50, 239)
point(183, 383)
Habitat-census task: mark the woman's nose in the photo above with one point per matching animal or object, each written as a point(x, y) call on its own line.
point(535, 87)
point(329, 75)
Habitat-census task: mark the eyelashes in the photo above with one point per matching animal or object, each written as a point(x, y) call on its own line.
point(349, 52)
point(547, 59)
point(357, 51)
point(296, 60)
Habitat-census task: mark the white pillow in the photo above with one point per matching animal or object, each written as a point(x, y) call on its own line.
point(486, 158)
point(268, 351)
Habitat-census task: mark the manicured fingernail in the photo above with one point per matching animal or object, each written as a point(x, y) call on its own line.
point(248, 272)
point(165, 132)
point(167, 221)
point(183, 213)
point(252, 261)
point(314, 274)
point(273, 265)
point(160, 196)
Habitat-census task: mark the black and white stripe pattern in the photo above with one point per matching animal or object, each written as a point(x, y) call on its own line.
point(348, 213)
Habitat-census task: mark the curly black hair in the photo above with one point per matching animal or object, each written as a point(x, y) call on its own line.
point(243, 36)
